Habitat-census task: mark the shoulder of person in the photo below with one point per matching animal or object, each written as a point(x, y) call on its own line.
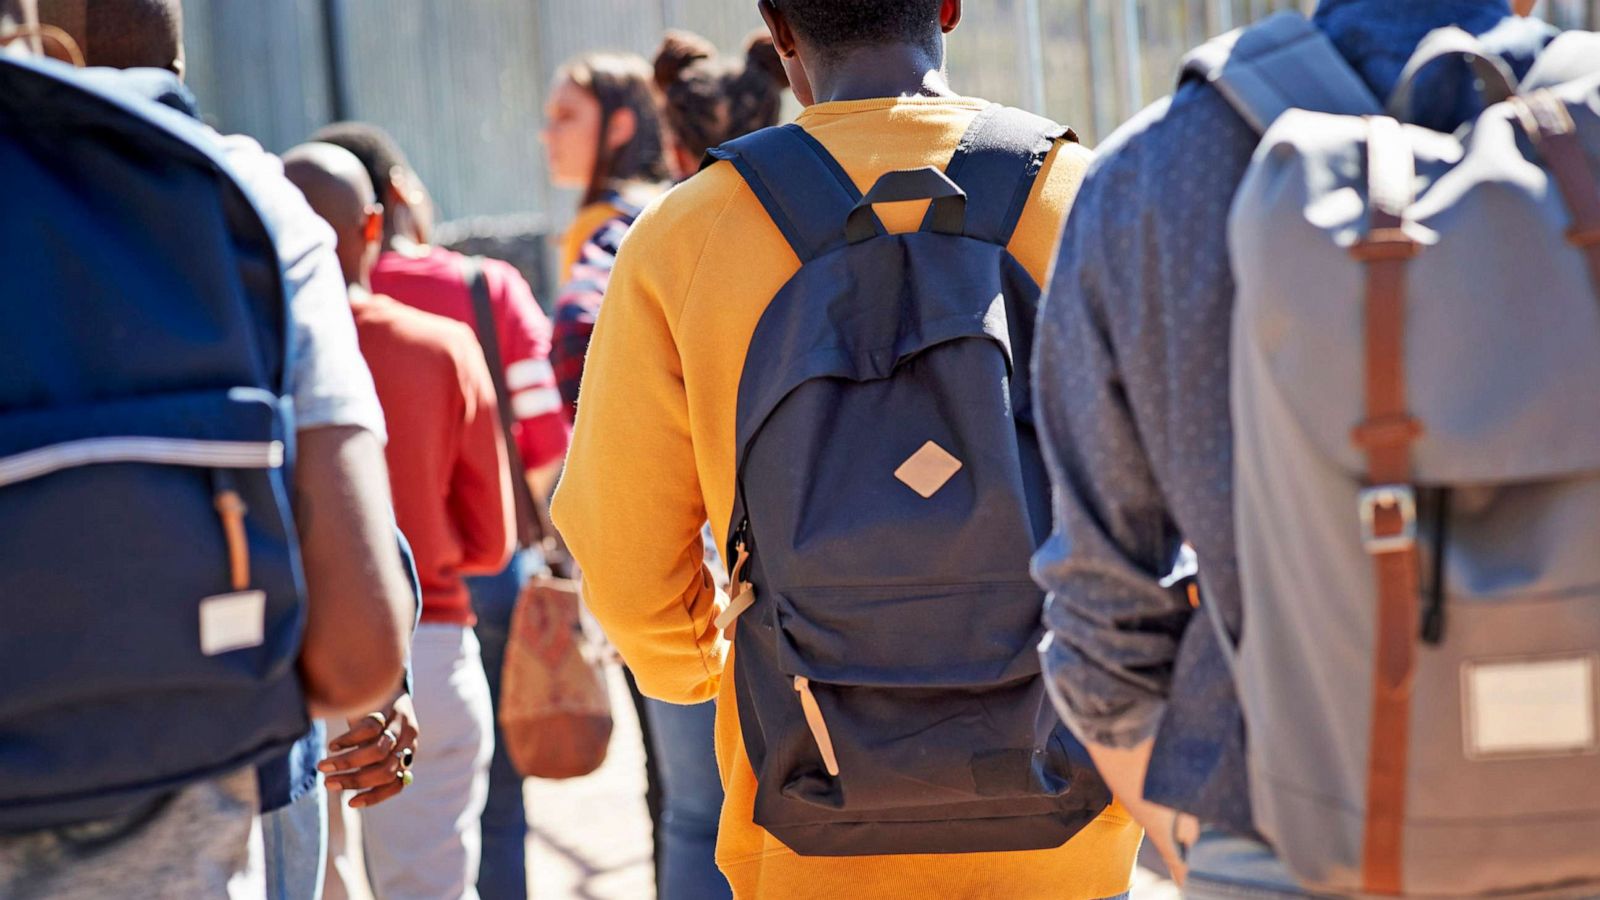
point(692, 207)
point(426, 335)
point(296, 228)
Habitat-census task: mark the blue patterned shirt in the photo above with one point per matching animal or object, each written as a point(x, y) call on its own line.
point(1132, 387)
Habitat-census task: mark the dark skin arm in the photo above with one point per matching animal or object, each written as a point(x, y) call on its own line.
point(367, 758)
point(360, 609)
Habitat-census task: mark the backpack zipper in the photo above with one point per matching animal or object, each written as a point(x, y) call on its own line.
point(741, 593)
point(819, 727)
point(48, 460)
point(1433, 612)
point(231, 509)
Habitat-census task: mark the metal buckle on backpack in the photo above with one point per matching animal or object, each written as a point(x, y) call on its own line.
point(1398, 497)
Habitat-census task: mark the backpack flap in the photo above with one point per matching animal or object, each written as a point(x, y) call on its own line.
point(1495, 287)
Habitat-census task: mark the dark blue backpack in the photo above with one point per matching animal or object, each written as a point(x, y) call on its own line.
point(890, 493)
point(151, 603)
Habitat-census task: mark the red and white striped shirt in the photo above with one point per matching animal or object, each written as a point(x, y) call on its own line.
point(433, 282)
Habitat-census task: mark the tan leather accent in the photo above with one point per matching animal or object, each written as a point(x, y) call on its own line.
point(819, 728)
point(738, 603)
point(928, 469)
point(1547, 121)
point(1386, 436)
point(741, 596)
point(231, 508)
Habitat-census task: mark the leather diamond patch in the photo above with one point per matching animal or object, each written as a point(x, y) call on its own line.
point(928, 469)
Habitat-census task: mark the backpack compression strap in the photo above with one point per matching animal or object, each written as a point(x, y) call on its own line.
point(996, 163)
point(1281, 63)
point(802, 187)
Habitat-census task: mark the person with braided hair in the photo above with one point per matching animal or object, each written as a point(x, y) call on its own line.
point(709, 99)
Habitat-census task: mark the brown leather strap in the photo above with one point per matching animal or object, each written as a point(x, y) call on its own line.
point(1388, 505)
point(1547, 121)
point(530, 515)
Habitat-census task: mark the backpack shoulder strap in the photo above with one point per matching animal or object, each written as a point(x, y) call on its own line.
point(996, 164)
point(1281, 63)
point(529, 526)
point(802, 187)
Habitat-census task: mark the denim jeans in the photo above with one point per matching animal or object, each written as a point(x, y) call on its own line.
point(296, 838)
point(692, 801)
point(1224, 867)
point(503, 874)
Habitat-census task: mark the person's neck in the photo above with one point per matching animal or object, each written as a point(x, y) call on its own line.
point(898, 71)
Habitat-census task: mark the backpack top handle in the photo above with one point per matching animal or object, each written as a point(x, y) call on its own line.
point(948, 214)
point(1496, 83)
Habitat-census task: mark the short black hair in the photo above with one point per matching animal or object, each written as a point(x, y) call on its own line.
point(376, 148)
point(121, 34)
point(842, 24)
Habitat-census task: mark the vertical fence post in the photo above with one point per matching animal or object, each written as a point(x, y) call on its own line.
point(337, 53)
point(1132, 59)
point(1031, 24)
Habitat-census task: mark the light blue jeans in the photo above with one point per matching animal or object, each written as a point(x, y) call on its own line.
point(1225, 867)
point(691, 801)
point(296, 841)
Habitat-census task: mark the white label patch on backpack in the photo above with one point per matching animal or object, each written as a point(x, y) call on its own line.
point(231, 622)
point(1540, 707)
point(928, 469)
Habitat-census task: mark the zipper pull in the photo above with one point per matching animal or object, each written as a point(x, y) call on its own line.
point(231, 508)
point(741, 594)
point(819, 728)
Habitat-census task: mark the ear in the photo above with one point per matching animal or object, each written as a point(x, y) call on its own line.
point(372, 229)
point(778, 26)
point(624, 124)
point(949, 15)
point(401, 187)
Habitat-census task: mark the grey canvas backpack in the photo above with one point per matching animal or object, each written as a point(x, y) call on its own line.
point(1416, 408)
point(889, 493)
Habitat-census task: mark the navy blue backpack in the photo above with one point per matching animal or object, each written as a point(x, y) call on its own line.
point(151, 602)
point(890, 493)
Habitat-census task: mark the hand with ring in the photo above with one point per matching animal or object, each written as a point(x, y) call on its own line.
point(373, 759)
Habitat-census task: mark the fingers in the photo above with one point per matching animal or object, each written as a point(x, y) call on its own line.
point(376, 775)
point(362, 731)
point(376, 795)
point(362, 755)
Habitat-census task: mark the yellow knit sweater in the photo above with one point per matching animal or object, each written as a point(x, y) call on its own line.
point(653, 458)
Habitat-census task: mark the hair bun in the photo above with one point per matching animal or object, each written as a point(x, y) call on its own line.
point(762, 54)
point(680, 50)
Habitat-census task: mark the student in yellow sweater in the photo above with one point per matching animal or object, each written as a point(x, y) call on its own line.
point(653, 454)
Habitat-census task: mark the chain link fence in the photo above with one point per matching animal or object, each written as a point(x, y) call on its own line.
point(462, 84)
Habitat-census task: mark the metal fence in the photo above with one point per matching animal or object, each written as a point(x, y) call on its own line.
point(462, 84)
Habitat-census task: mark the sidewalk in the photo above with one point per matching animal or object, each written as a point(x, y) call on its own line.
point(591, 837)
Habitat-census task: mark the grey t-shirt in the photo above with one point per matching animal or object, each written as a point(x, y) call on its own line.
point(329, 381)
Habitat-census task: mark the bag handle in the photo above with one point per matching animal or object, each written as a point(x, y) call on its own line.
point(948, 215)
point(1496, 82)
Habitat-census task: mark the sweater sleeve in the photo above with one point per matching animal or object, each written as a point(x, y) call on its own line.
point(630, 504)
point(480, 482)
